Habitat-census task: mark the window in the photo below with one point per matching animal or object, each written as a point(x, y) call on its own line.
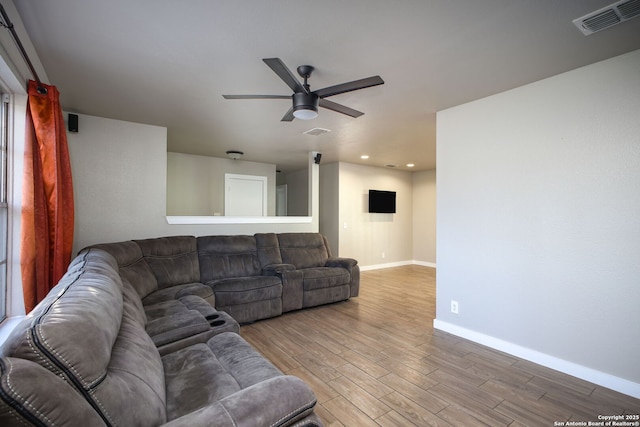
point(4, 207)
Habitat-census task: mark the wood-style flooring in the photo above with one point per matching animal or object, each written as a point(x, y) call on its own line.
point(376, 360)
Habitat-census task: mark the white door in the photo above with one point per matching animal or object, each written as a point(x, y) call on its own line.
point(245, 195)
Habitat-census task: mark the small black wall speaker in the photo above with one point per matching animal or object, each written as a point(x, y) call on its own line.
point(317, 158)
point(73, 123)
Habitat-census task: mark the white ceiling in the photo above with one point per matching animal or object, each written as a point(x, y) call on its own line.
point(168, 62)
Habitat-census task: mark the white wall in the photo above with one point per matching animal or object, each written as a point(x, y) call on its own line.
point(120, 186)
point(424, 217)
point(195, 184)
point(538, 209)
point(374, 238)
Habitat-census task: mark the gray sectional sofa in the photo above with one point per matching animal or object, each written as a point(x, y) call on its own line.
point(248, 277)
point(145, 333)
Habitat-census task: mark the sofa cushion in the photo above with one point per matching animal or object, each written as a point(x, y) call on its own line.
point(222, 257)
point(228, 372)
point(133, 303)
point(173, 260)
point(324, 277)
point(168, 329)
point(51, 402)
point(133, 266)
point(304, 250)
point(268, 249)
point(179, 291)
point(242, 290)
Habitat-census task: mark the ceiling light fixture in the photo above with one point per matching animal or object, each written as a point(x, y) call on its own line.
point(305, 105)
point(410, 165)
point(364, 157)
point(234, 154)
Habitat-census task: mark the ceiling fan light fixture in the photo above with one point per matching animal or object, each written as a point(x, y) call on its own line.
point(305, 114)
point(305, 106)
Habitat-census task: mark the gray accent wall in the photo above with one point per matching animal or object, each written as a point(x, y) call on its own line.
point(538, 208)
point(424, 217)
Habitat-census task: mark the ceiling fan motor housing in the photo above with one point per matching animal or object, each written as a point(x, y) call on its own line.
point(305, 101)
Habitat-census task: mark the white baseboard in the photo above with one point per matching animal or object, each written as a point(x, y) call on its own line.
point(597, 377)
point(396, 264)
point(424, 263)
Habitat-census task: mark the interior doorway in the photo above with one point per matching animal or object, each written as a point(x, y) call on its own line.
point(245, 195)
point(281, 200)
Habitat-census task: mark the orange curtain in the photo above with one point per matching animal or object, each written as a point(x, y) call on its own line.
point(47, 197)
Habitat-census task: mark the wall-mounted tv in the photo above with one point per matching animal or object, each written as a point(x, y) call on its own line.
point(382, 201)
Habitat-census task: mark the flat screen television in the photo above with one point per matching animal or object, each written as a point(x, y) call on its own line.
point(382, 201)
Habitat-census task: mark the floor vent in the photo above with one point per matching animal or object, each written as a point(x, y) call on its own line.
point(609, 16)
point(317, 131)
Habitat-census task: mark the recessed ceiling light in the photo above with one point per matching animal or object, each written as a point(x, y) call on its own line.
point(410, 165)
point(364, 157)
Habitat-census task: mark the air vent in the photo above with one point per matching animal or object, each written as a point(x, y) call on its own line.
point(316, 131)
point(608, 16)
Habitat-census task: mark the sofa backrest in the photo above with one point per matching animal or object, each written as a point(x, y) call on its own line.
point(303, 250)
point(227, 256)
point(133, 266)
point(50, 402)
point(173, 260)
point(88, 334)
point(268, 249)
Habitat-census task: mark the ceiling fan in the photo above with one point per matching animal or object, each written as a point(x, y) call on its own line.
point(306, 102)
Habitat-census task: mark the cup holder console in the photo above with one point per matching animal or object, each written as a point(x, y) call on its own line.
point(222, 322)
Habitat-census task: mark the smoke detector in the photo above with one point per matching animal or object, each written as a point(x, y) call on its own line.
point(608, 16)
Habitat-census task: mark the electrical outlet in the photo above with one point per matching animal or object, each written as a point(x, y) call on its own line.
point(454, 306)
point(383, 255)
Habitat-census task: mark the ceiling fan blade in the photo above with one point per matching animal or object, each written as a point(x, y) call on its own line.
point(288, 116)
point(348, 87)
point(285, 74)
point(325, 103)
point(256, 96)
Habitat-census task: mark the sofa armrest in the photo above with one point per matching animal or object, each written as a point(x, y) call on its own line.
point(354, 270)
point(347, 263)
point(280, 401)
point(276, 269)
point(194, 302)
point(291, 284)
point(172, 328)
